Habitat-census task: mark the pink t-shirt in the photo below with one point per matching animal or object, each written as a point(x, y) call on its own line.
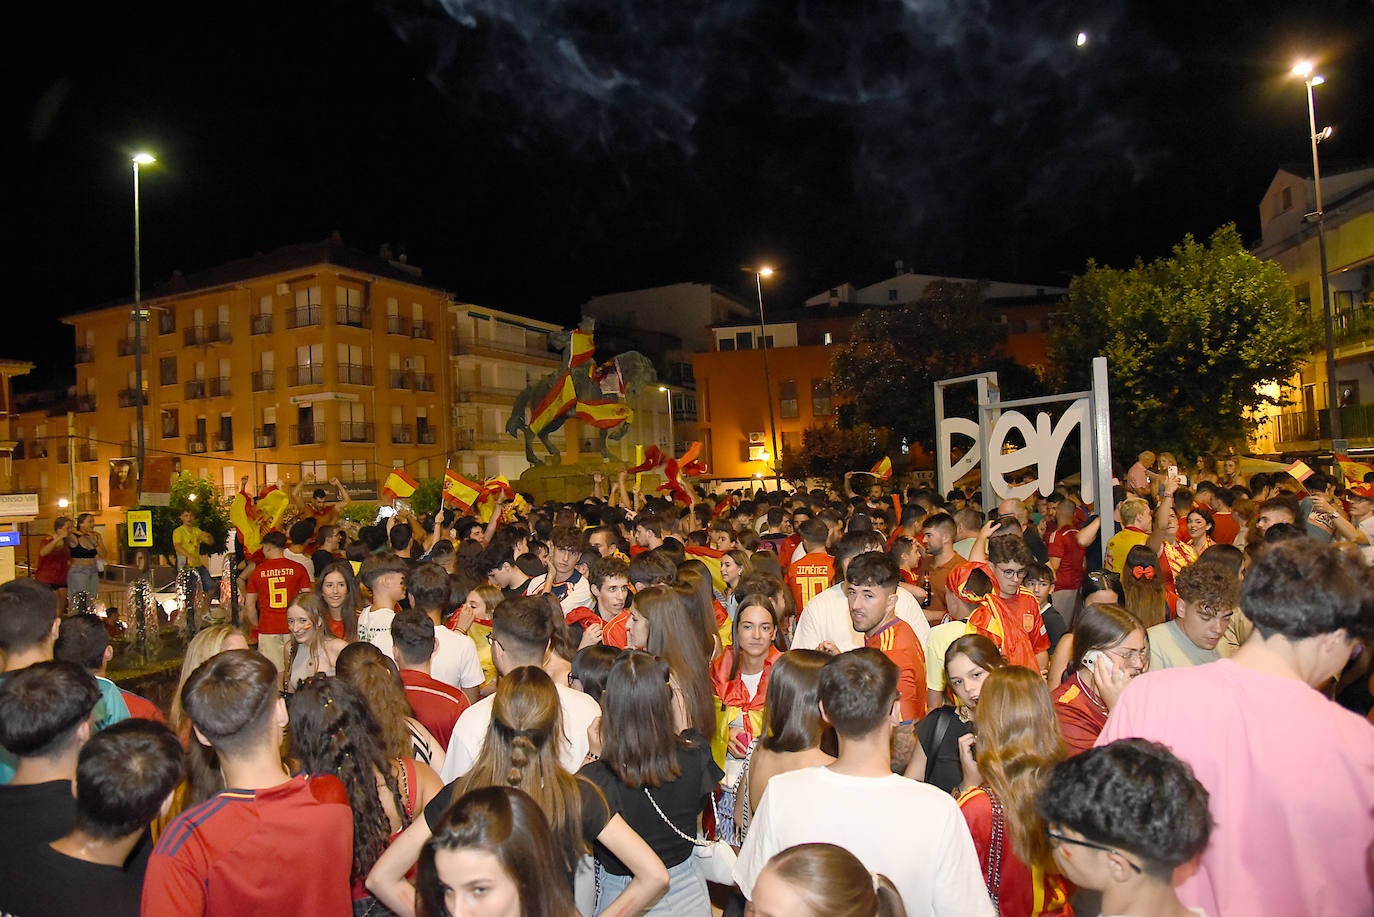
point(1291, 778)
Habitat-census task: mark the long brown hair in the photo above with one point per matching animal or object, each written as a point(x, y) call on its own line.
point(521, 751)
point(792, 712)
point(1143, 595)
point(1101, 627)
point(366, 668)
point(979, 650)
point(1018, 745)
point(353, 599)
point(639, 744)
point(675, 637)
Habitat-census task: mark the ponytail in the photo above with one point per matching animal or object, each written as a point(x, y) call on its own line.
point(889, 899)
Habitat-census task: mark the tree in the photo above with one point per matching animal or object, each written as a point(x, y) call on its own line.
point(203, 499)
point(1191, 340)
point(426, 497)
point(828, 452)
point(885, 375)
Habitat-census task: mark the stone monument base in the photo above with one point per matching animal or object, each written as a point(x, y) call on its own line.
point(573, 482)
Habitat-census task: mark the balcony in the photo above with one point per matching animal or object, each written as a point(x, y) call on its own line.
point(126, 347)
point(194, 336)
point(218, 333)
point(88, 503)
point(399, 324)
point(309, 374)
point(85, 452)
point(424, 382)
point(223, 445)
point(352, 316)
point(398, 378)
point(167, 378)
point(484, 346)
point(422, 330)
point(264, 380)
point(218, 387)
point(426, 436)
point(261, 324)
point(84, 404)
point(310, 316)
point(130, 396)
point(194, 389)
point(400, 435)
point(84, 355)
point(310, 434)
point(353, 374)
point(402, 379)
point(194, 445)
point(169, 431)
point(265, 438)
point(356, 431)
point(166, 322)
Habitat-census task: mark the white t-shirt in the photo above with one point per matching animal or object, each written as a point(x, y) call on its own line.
point(455, 661)
point(579, 593)
point(374, 626)
point(471, 731)
point(826, 617)
point(909, 831)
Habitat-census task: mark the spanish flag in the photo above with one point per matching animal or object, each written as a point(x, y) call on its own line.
point(459, 491)
point(604, 414)
point(582, 349)
point(561, 396)
point(1299, 470)
point(883, 470)
point(1353, 472)
point(499, 482)
point(398, 484)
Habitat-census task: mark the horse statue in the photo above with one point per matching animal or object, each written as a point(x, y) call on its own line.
point(580, 390)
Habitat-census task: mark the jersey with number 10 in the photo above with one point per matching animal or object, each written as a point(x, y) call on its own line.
point(811, 575)
point(275, 583)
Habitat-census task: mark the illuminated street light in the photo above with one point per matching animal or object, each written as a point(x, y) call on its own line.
point(672, 438)
point(760, 273)
point(1310, 78)
point(139, 159)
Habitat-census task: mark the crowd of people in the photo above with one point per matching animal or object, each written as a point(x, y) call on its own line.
point(769, 703)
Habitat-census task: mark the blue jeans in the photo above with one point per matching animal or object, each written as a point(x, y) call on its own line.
point(84, 578)
point(206, 583)
point(686, 896)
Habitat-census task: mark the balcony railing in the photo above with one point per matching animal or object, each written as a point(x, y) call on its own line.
point(84, 404)
point(166, 322)
point(167, 378)
point(424, 382)
point(265, 438)
point(88, 503)
point(398, 378)
point(194, 445)
point(194, 389)
point(309, 374)
point(218, 333)
point(85, 354)
point(310, 434)
point(85, 452)
point(426, 436)
point(126, 347)
point(130, 396)
point(406, 379)
point(223, 445)
point(193, 336)
point(400, 434)
point(305, 316)
point(485, 345)
point(261, 324)
point(352, 316)
point(218, 387)
point(355, 431)
point(169, 431)
point(422, 330)
point(264, 380)
point(354, 374)
point(399, 324)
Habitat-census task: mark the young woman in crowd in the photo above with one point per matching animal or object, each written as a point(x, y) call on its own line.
point(374, 675)
point(473, 618)
point(1144, 591)
point(663, 623)
point(968, 662)
point(332, 732)
point(792, 731)
point(1109, 649)
point(658, 779)
point(590, 669)
point(740, 681)
point(492, 854)
point(209, 641)
point(732, 564)
point(339, 588)
point(521, 751)
point(1005, 767)
point(1098, 588)
point(823, 880)
point(709, 614)
point(85, 549)
point(315, 648)
point(1200, 527)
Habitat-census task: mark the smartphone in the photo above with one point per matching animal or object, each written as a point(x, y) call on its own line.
point(1173, 471)
point(1090, 658)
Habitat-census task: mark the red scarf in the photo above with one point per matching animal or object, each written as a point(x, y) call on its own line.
point(734, 693)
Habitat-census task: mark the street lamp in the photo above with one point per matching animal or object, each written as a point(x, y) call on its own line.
point(1311, 78)
point(759, 274)
point(672, 438)
point(139, 159)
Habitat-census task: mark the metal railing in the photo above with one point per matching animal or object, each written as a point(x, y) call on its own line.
point(426, 436)
point(126, 347)
point(398, 324)
point(223, 445)
point(84, 404)
point(356, 431)
point(354, 374)
point(265, 438)
point(479, 346)
point(307, 316)
point(129, 397)
point(422, 330)
point(218, 387)
point(194, 445)
point(261, 324)
point(194, 389)
point(352, 316)
point(264, 380)
point(88, 503)
point(400, 434)
point(309, 374)
point(85, 355)
point(310, 434)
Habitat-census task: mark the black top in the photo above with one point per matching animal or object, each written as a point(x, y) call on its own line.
point(942, 764)
point(36, 814)
point(37, 881)
point(682, 800)
point(321, 559)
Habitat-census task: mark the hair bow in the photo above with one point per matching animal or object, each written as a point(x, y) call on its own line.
point(1141, 571)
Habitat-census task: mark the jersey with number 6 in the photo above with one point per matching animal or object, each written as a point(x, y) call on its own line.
point(275, 583)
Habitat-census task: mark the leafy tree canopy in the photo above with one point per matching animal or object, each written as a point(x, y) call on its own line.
point(1191, 342)
point(200, 497)
point(828, 452)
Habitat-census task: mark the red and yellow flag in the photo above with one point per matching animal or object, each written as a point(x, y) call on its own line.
point(582, 348)
point(562, 395)
point(459, 491)
point(604, 414)
point(1353, 472)
point(882, 470)
point(399, 484)
point(1299, 470)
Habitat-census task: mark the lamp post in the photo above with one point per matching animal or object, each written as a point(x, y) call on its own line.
point(1333, 400)
point(759, 274)
point(140, 159)
point(672, 438)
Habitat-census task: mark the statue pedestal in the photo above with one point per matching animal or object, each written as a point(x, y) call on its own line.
point(569, 483)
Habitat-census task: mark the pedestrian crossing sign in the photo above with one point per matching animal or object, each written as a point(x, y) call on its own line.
point(140, 528)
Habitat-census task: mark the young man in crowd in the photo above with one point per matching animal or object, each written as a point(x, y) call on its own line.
point(231, 854)
point(1208, 596)
point(498, 561)
point(1247, 724)
point(1016, 605)
point(909, 831)
point(414, 644)
point(825, 623)
point(813, 572)
point(187, 539)
point(455, 661)
point(872, 581)
point(647, 533)
point(268, 594)
point(609, 581)
point(384, 575)
point(82, 639)
point(521, 634)
point(562, 580)
point(28, 629)
point(327, 538)
point(938, 534)
point(1136, 524)
point(45, 718)
point(124, 776)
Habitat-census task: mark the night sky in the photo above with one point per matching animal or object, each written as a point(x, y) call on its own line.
point(529, 154)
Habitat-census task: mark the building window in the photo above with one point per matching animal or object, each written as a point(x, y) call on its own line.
point(1286, 199)
point(766, 342)
point(352, 471)
point(828, 339)
point(727, 343)
point(1302, 294)
point(167, 370)
point(170, 423)
point(787, 399)
point(892, 294)
point(166, 321)
point(820, 398)
point(744, 340)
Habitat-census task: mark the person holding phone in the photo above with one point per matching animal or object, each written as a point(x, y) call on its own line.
point(1109, 649)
